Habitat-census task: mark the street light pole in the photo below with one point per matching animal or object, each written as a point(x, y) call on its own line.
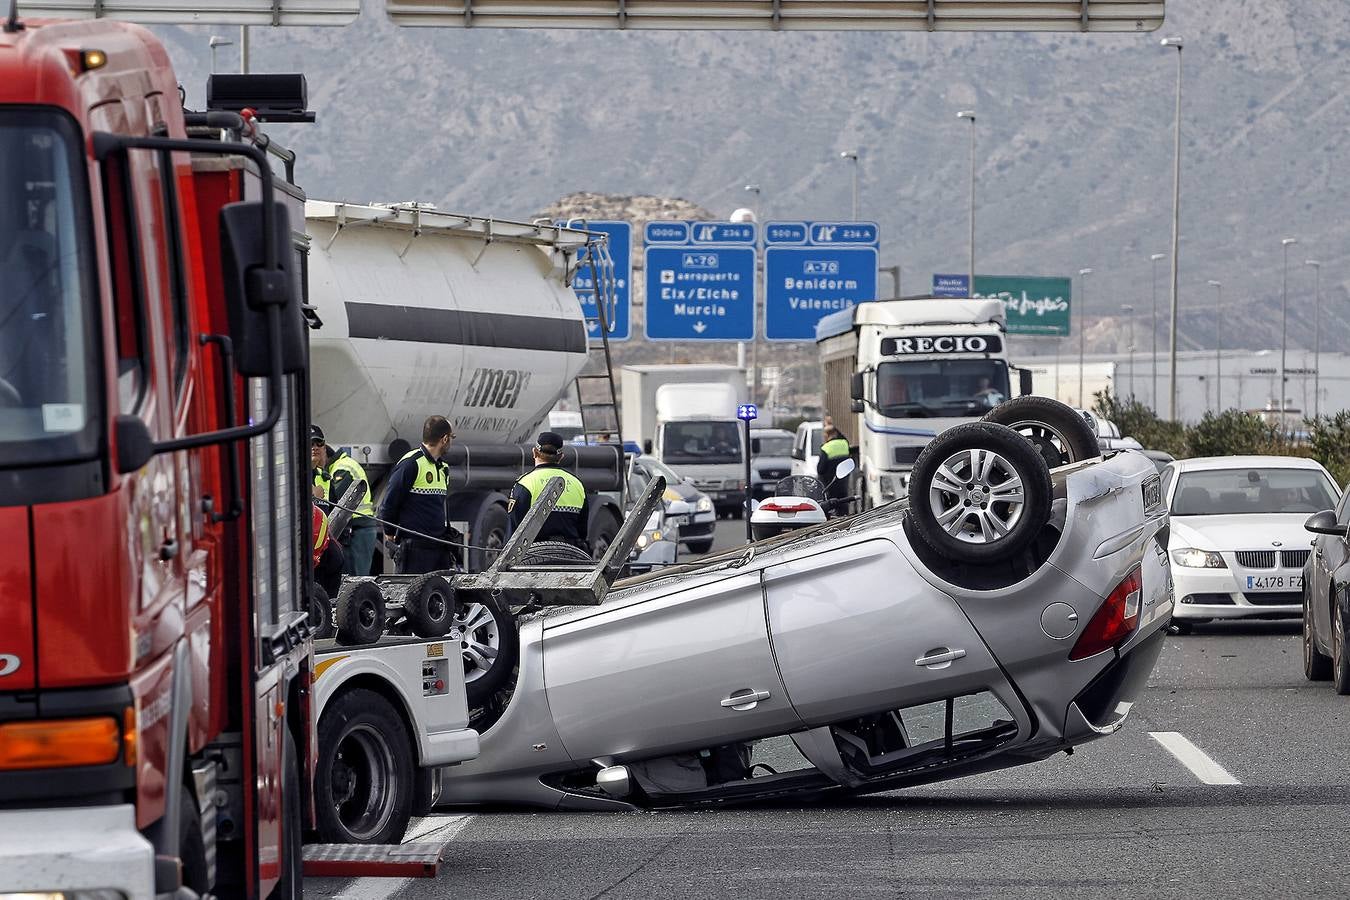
point(243, 50)
point(217, 41)
point(1176, 232)
point(970, 114)
point(1284, 325)
point(754, 340)
point(1153, 395)
point(1317, 338)
point(1082, 333)
point(1218, 344)
point(852, 156)
point(1128, 310)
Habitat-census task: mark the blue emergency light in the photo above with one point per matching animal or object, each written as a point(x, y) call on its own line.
point(747, 411)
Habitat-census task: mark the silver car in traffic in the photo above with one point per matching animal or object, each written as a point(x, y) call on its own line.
point(863, 654)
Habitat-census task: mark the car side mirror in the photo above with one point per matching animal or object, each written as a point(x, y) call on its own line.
point(844, 469)
point(1024, 379)
point(798, 453)
point(253, 291)
point(1325, 523)
point(855, 386)
point(855, 406)
point(647, 446)
point(135, 447)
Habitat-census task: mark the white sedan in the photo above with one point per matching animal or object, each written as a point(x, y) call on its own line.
point(1237, 544)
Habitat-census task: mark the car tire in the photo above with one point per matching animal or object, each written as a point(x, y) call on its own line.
point(1340, 653)
point(1316, 664)
point(429, 606)
point(489, 533)
point(363, 785)
point(699, 546)
point(961, 475)
point(320, 612)
point(489, 644)
point(601, 532)
point(1059, 434)
point(360, 613)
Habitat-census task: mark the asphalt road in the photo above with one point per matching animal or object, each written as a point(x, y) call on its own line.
point(1252, 799)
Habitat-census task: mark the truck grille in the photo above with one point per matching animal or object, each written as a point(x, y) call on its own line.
point(905, 456)
point(773, 473)
point(1256, 559)
point(1293, 559)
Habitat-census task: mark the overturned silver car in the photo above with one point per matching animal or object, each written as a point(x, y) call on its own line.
point(1004, 612)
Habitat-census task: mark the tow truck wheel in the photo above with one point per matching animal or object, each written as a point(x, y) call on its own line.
point(360, 613)
point(430, 606)
point(1059, 434)
point(364, 782)
point(489, 644)
point(320, 612)
point(979, 493)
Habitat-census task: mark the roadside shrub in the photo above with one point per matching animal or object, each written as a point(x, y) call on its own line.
point(1231, 433)
point(1329, 441)
point(1141, 423)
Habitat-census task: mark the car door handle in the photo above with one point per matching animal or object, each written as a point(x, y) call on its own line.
point(939, 658)
point(745, 698)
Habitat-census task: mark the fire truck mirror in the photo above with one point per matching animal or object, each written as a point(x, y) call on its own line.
point(134, 444)
point(252, 289)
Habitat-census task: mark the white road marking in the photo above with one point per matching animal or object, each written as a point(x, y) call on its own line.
point(425, 830)
point(1193, 758)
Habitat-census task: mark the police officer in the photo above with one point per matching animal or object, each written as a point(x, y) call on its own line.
point(567, 522)
point(415, 499)
point(834, 451)
point(334, 473)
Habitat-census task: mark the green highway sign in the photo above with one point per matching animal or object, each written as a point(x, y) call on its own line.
point(1033, 305)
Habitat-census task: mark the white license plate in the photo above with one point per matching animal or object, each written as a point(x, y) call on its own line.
point(1274, 582)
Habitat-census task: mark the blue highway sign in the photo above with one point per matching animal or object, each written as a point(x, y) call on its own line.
point(666, 233)
point(700, 293)
point(951, 285)
point(812, 269)
point(620, 251)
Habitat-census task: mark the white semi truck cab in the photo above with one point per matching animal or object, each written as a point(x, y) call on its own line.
point(898, 372)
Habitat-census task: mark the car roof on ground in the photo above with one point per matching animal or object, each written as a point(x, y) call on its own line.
point(1211, 463)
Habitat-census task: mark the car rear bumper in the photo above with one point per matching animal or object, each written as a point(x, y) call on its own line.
point(1218, 594)
point(76, 848)
point(1102, 707)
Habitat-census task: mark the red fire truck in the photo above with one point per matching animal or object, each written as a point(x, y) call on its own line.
point(155, 655)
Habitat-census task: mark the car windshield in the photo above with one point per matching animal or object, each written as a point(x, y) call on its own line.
point(940, 387)
point(694, 443)
point(49, 395)
point(773, 445)
point(655, 467)
point(1226, 492)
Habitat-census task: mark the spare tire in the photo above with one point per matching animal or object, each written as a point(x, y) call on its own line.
point(979, 493)
point(429, 606)
point(1058, 432)
point(555, 553)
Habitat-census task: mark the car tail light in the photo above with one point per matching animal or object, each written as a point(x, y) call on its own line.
point(775, 506)
point(1114, 621)
point(59, 742)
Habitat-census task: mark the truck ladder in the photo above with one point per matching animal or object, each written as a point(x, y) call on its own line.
point(597, 397)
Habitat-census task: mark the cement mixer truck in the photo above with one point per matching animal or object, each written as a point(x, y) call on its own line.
point(422, 312)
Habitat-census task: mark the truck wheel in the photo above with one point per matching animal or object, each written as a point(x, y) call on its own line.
point(979, 493)
point(320, 612)
point(554, 553)
point(490, 646)
point(364, 783)
point(1059, 434)
point(602, 530)
point(291, 884)
point(360, 613)
point(430, 606)
point(488, 532)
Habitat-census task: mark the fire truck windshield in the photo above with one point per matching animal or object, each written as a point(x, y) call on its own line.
point(49, 355)
point(941, 387)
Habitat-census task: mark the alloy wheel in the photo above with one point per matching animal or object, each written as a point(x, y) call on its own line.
point(977, 496)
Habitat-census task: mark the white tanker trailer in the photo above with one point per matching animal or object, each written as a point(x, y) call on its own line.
point(422, 312)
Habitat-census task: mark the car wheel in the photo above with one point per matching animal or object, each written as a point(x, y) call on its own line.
point(320, 612)
point(1340, 654)
point(429, 606)
point(364, 782)
point(1059, 434)
point(979, 493)
point(489, 644)
point(1316, 664)
point(360, 613)
point(602, 531)
point(699, 546)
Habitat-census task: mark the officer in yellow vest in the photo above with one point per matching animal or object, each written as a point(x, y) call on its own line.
point(415, 499)
point(567, 522)
point(334, 473)
point(834, 451)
